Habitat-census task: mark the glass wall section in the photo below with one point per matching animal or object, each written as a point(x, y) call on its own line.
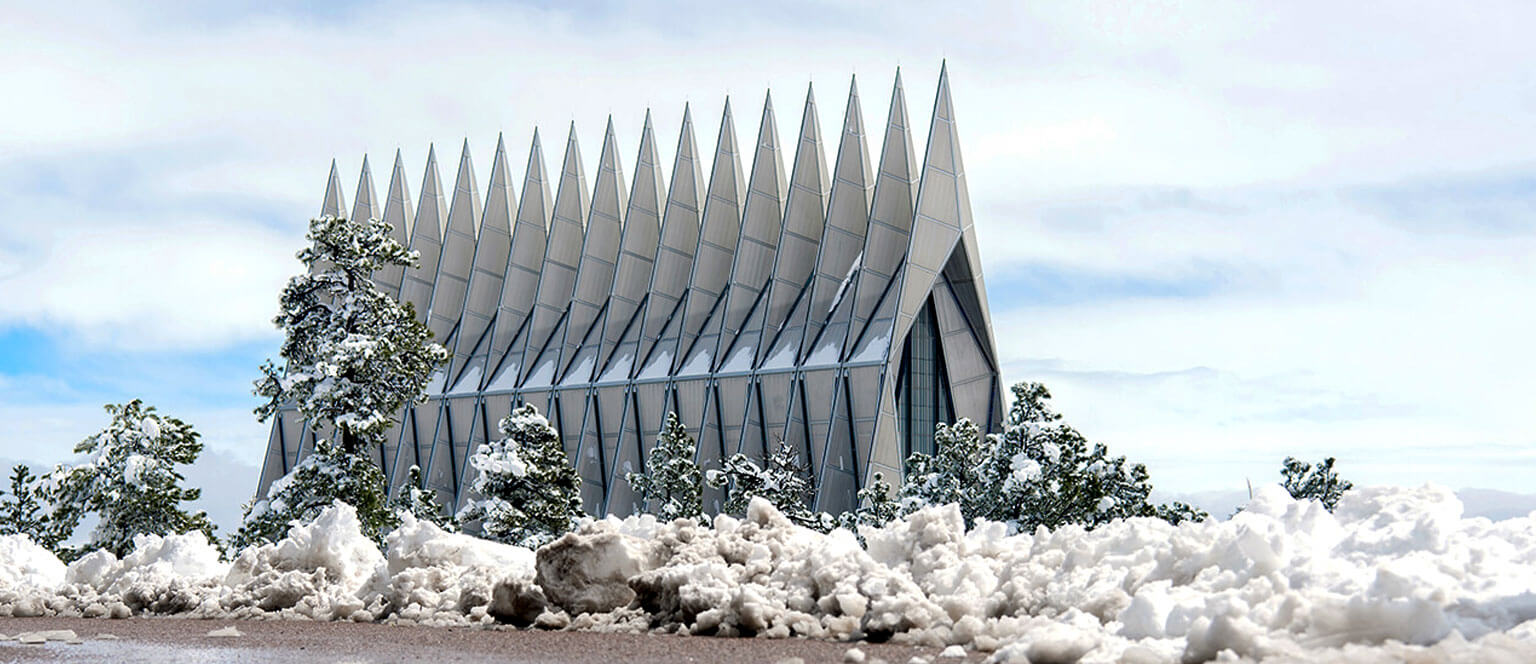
point(922, 388)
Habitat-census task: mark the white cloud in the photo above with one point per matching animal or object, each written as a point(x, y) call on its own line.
point(1228, 153)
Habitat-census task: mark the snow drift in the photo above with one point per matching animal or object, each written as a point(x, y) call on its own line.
point(1393, 574)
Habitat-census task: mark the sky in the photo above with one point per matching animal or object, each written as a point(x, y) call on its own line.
point(1221, 233)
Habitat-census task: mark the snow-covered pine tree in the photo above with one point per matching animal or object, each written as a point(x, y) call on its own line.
point(325, 476)
point(525, 492)
point(876, 506)
point(1305, 481)
point(955, 473)
point(784, 482)
point(421, 502)
point(354, 355)
point(1039, 472)
point(1042, 472)
point(26, 511)
point(672, 485)
point(127, 476)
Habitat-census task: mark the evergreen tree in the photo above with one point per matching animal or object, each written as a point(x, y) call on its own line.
point(327, 475)
point(354, 355)
point(26, 512)
point(418, 501)
point(672, 485)
point(1308, 482)
point(128, 478)
point(527, 492)
point(1039, 472)
point(784, 483)
point(876, 507)
point(955, 473)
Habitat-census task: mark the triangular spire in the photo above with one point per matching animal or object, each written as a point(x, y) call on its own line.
point(397, 213)
point(490, 265)
point(679, 240)
point(762, 224)
point(557, 278)
point(804, 223)
point(427, 239)
point(599, 251)
point(530, 236)
point(890, 225)
point(943, 225)
point(848, 207)
point(364, 205)
point(637, 249)
point(333, 205)
point(718, 233)
point(457, 257)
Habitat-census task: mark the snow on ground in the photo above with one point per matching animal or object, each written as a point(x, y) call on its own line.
point(1395, 574)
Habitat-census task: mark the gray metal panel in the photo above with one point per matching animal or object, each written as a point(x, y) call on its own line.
point(397, 212)
point(943, 222)
point(427, 240)
point(971, 372)
point(732, 410)
point(333, 205)
point(365, 205)
point(718, 233)
point(557, 278)
point(872, 398)
point(455, 428)
point(589, 461)
point(679, 239)
point(774, 390)
point(566, 411)
point(456, 261)
point(599, 253)
point(817, 390)
point(847, 224)
point(741, 354)
point(838, 483)
point(762, 224)
point(700, 358)
point(611, 405)
point(890, 221)
point(530, 235)
point(781, 349)
point(274, 465)
point(492, 247)
point(694, 405)
point(804, 223)
point(637, 249)
point(415, 441)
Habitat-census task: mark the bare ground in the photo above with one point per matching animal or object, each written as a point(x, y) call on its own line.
point(169, 640)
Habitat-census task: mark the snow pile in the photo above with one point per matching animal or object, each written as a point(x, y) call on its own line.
point(323, 570)
point(436, 577)
point(26, 571)
point(1394, 574)
point(173, 574)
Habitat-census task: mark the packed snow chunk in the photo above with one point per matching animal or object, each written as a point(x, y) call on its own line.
point(437, 577)
point(953, 652)
point(170, 574)
point(29, 576)
point(226, 633)
point(27, 565)
point(323, 570)
point(588, 571)
point(854, 656)
point(60, 635)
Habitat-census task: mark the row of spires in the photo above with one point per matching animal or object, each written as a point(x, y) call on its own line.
point(604, 252)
